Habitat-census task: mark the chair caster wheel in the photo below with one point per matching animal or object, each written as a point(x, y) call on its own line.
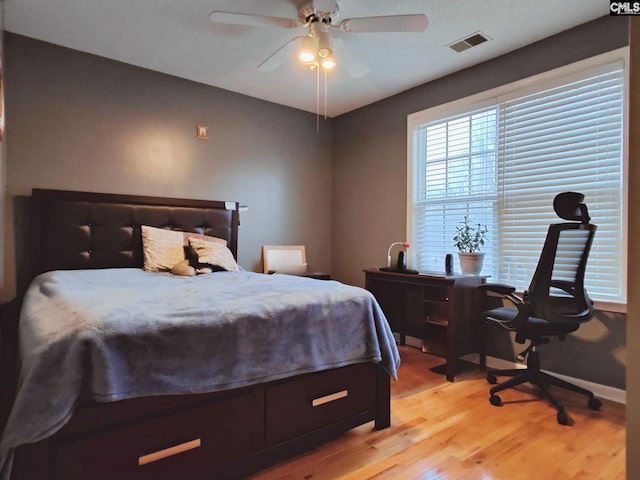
point(594, 404)
point(495, 400)
point(562, 418)
point(492, 379)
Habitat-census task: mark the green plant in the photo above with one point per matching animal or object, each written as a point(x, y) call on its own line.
point(469, 238)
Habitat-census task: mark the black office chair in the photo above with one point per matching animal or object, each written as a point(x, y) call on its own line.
point(555, 304)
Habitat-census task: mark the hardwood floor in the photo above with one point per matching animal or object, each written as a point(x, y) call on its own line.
point(441, 430)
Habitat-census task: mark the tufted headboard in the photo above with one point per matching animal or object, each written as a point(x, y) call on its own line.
point(76, 230)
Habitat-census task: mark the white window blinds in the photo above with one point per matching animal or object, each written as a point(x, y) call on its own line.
point(568, 138)
point(502, 165)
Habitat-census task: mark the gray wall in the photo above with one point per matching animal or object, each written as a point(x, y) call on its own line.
point(82, 122)
point(633, 306)
point(370, 183)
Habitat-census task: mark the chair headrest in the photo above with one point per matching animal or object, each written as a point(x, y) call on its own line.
point(570, 206)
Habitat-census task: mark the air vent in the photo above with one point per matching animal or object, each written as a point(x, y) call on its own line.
point(468, 42)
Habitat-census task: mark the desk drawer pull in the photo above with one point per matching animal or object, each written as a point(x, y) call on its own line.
point(316, 402)
point(169, 452)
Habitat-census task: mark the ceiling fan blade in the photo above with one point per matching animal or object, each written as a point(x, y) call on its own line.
point(253, 20)
point(278, 57)
point(349, 60)
point(391, 23)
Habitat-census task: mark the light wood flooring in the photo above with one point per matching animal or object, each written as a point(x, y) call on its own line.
point(441, 430)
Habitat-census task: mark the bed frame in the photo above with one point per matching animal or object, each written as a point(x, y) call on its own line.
point(215, 435)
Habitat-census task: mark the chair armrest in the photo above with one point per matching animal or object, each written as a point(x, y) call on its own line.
point(505, 291)
point(498, 288)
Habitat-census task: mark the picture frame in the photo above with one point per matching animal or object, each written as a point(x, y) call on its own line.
point(202, 132)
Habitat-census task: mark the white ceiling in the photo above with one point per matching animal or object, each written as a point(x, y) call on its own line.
point(178, 38)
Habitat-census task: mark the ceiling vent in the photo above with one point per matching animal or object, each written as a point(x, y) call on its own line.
point(468, 42)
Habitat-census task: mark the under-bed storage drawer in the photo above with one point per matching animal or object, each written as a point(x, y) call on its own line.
point(185, 444)
point(299, 406)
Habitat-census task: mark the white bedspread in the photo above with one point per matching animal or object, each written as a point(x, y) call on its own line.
point(108, 335)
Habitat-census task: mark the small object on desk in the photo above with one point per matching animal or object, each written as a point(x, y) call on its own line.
point(402, 262)
point(448, 264)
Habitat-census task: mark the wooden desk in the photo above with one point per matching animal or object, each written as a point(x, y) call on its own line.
point(443, 311)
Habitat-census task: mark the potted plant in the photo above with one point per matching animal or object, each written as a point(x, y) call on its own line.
point(468, 240)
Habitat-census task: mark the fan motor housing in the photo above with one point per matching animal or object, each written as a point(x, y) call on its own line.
point(308, 13)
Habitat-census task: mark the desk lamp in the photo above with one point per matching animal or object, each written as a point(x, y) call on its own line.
point(401, 266)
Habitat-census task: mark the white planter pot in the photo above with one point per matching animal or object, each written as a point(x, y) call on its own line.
point(471, 263)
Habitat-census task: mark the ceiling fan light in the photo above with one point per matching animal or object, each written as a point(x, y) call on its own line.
point(307, 57)
point(307, 51)
point(324, 52)
point(328, 63)
point(324, 45)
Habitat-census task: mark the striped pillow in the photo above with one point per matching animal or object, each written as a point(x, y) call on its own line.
point(214, 254)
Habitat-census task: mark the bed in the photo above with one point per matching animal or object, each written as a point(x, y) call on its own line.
point(211, 376)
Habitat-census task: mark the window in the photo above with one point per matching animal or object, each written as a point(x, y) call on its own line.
point(454, 176)
point(501, 158)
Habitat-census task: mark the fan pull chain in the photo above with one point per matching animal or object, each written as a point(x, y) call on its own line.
point(325, 93)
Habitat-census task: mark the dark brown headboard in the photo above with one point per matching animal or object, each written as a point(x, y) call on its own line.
point(74, 230)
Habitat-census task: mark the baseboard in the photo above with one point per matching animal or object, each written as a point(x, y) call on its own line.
point(601, 391)
point(413, 342)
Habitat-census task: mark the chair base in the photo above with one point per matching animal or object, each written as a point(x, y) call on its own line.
point(542, 380)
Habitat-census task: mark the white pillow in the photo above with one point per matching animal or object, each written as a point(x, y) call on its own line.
point(214, 253)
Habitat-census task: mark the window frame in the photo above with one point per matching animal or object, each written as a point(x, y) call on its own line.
point(545, 80)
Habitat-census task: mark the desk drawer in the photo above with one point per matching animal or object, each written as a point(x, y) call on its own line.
point(299, 406)
point(186, 444)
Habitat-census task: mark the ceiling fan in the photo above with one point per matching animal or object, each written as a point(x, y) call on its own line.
point(317, 46)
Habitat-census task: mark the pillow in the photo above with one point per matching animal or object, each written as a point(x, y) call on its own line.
point(214, 254)
point(187, 235)
point(162, 249)
point(191, 255)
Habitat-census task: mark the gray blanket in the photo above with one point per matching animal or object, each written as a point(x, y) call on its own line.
point(108, 335)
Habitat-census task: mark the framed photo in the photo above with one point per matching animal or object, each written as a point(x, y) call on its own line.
point(202, 131)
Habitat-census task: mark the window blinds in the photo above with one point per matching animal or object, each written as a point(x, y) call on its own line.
point(568, 138)
point(502, 165)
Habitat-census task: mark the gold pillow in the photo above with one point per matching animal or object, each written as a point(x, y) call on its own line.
point(162, 248)
point(213, 253)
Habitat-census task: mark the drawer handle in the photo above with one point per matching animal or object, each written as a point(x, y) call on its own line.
point(316, 402)
point(169, 452)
